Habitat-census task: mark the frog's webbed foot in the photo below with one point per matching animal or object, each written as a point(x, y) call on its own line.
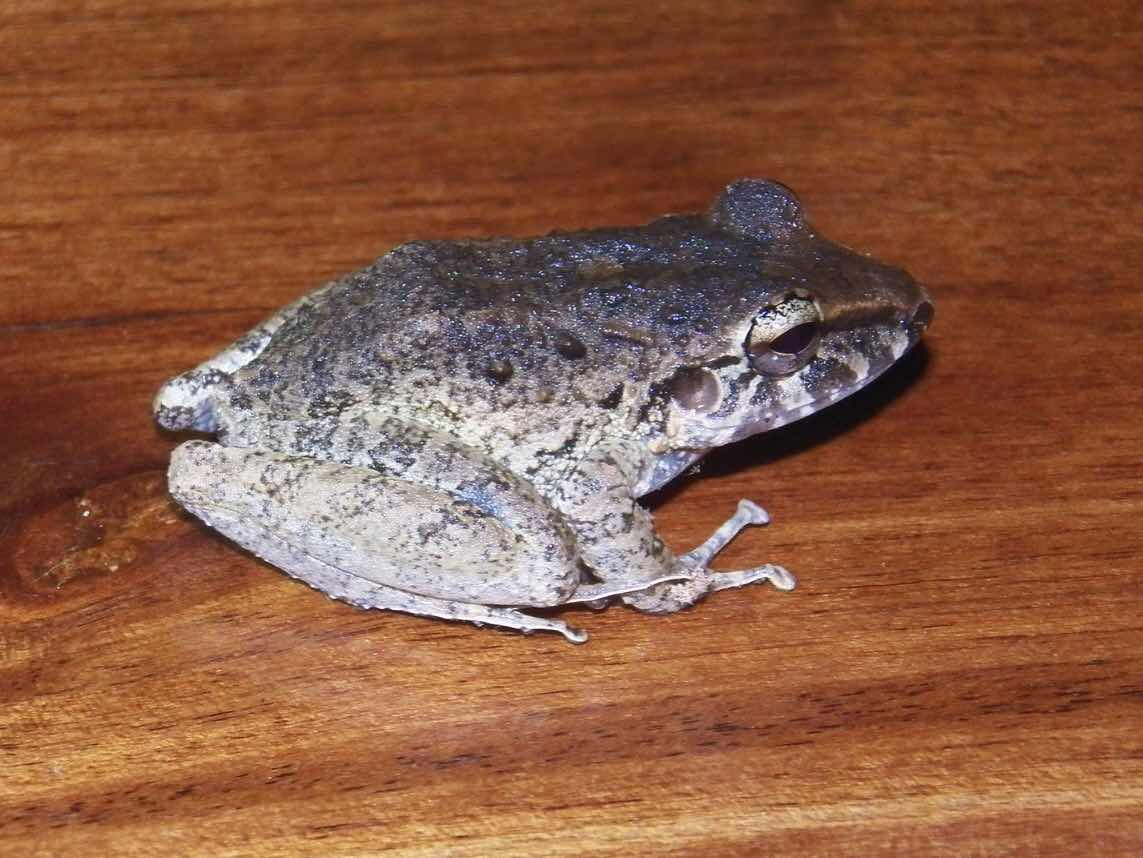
point(674, 596)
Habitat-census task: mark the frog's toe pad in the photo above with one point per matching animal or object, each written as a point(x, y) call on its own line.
point(778, 576)
point(751, 513)
point(576, 636)
point(782, 578)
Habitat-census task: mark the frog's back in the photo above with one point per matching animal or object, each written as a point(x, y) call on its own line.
point(502, 325)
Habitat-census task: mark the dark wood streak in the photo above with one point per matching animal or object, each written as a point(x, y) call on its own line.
point(959, 671)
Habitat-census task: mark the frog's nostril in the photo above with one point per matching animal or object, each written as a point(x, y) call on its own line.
point(923, 315)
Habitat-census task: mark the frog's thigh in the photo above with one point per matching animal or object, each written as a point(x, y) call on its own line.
point(386, 532)
point(365, 594)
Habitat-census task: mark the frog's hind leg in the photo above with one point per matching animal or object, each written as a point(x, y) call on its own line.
point(674, 596)
point(184, 402)
point(376, 541)
point(358, 591)
point(366, 594)
point(362, 593)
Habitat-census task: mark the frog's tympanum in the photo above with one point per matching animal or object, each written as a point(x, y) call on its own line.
point(462, 429)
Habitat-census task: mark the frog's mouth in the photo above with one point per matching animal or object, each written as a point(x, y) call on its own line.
point(822, 383)
point(750, 403)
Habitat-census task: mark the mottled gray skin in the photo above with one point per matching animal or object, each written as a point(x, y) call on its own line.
point(462, 429)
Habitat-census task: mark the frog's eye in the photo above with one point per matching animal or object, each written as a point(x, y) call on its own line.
point(784, 336)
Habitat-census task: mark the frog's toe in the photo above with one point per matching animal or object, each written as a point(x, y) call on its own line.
point(524, 622)
point(751, 512)
point(783, 579)
point(748, 513)
point(780, 577)
point(674, 596)
point(576, 636)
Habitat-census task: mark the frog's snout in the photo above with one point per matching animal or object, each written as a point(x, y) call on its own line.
point(922, 315)
point(912, 305)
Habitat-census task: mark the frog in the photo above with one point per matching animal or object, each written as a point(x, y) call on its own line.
point(464, 429)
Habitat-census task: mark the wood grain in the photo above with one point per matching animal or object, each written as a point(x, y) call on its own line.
point(960, 672)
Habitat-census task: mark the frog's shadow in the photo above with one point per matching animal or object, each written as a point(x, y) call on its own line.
point(805, 434)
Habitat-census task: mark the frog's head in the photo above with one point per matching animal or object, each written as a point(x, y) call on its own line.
point(809, 323)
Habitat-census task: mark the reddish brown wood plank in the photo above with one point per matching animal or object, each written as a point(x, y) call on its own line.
point(959, 672)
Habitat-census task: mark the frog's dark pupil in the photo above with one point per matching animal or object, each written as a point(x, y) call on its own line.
point(796, 339)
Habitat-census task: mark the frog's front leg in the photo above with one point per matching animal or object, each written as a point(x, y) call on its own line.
point(617, 539)
point(379, 541)
point(672, 596)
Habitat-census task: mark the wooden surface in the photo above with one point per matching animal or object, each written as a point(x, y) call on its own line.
point(961, 670)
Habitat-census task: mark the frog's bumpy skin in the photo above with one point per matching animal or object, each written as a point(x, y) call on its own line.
point(462, 429)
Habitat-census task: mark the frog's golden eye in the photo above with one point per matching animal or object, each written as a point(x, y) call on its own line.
point(784, 336)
